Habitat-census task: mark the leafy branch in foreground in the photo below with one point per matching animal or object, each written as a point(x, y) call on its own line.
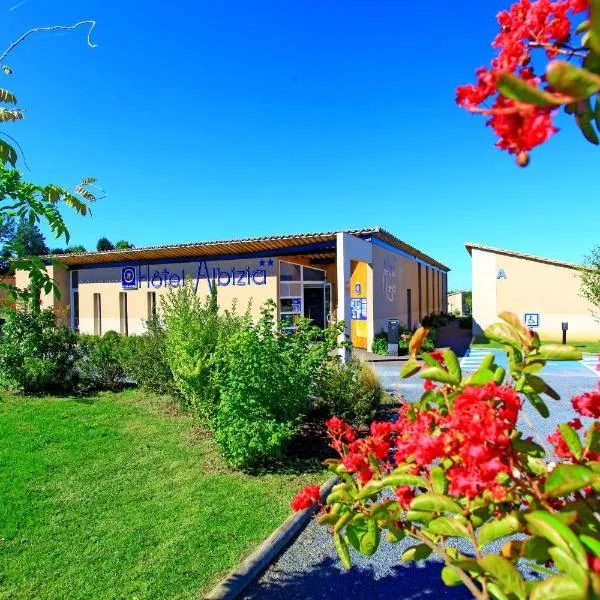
point(454, 465)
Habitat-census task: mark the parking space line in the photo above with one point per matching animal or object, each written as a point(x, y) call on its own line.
point(591, 361)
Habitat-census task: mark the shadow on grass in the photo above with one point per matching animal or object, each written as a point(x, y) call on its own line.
point(326, 580)
point(304, 454)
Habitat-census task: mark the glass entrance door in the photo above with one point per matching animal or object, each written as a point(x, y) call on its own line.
point(314, 304)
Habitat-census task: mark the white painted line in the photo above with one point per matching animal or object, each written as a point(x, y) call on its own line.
point(591, 362)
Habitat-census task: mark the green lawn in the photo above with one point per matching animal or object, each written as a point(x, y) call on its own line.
point(124, 497)
point(593, 347)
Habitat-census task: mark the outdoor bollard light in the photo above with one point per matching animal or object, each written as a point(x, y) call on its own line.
point(565, 327)
point(393, 336)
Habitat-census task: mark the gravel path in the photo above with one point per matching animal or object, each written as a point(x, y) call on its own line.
point(309, 567)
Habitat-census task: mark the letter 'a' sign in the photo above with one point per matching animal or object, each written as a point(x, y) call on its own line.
point(129, 278)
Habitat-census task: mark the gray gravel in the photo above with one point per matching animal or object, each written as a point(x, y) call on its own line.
point(309, 567)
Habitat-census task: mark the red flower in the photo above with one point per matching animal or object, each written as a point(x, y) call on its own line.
point(306, 498)
point(560, 446)
point(404, 495)
point(588, 404)
point(576, 424)
point(594, 563)
point(429, 386)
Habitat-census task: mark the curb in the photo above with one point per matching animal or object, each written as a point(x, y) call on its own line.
point(234, 584)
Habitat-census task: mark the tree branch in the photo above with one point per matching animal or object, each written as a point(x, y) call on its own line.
point(89, 22)
point(467, 581)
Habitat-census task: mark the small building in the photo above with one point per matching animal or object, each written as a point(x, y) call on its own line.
point(457, 303)
point(544, 292)
point(364, 277)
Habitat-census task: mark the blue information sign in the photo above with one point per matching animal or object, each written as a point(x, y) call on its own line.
point(128, 278)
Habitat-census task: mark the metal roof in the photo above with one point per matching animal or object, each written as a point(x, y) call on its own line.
point(275, 243)
point(551, 261)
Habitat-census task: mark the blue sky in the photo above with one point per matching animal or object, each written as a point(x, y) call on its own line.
point(215, 120)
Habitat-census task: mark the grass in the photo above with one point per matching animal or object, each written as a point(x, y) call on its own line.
point(124, 496)
point(592, 347)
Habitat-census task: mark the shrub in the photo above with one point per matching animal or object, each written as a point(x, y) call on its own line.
point(144, 359)
point(264, 378)
point(194, 331)
point(352, 392)
point(465, 322)
point(101, 362)
point(380, 344)
point(37, 356)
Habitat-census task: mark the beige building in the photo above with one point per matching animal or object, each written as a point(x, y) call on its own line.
point(544, 292)
point(364, 277)
point(457, 303)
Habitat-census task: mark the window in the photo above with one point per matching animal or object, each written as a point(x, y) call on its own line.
point(75, 300)
point(97, 315)
point(151, 305)
point(123, 321)
point(292, 281)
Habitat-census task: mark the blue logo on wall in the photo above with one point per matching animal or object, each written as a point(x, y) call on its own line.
point(129, 278)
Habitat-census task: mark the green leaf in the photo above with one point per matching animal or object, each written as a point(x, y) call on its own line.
point(436, 503)
point(536, 548)
point(528, 447)
point(428, 359)
point(7, 153)
point(565, 479)
point(420, 516)
point(594, 28)
point(438, 374)
point(452, 364)
point(344, 520)
point(514, 87)
point(411, 367)
point(371, 488)
point(557, 587)
point(479, 377)
point(592, 438)
point(572, 81)
point(592, 543)
point(534, 366)
point(394, 480)
point(566, 564)
point(571, 437)
point(449, 526)
point(558, 352)
point(505, 573)
point(496, 529)
point(450, 577)
point(418, 552)
point(342, 549)
point(538, 404)
point(439, 480)
point(504, 334)
point(340, 493)
point(584, 118)
point(395, 535)
point(546, 525)
point(499, 375)
point(364, 535)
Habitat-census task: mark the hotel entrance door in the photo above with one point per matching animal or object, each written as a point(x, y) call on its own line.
point(314, 304)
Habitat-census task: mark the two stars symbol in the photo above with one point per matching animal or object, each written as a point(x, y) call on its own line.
point(262, 261)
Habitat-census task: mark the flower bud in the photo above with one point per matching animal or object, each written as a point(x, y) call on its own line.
point(522, 159)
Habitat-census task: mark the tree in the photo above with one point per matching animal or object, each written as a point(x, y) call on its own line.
point(34, 203)
point(29, 239)
point(104, 245)
point(123, 245)
point(590, 280)
point(524, 101)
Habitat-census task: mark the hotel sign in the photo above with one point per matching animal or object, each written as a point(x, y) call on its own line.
point(135, 277)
